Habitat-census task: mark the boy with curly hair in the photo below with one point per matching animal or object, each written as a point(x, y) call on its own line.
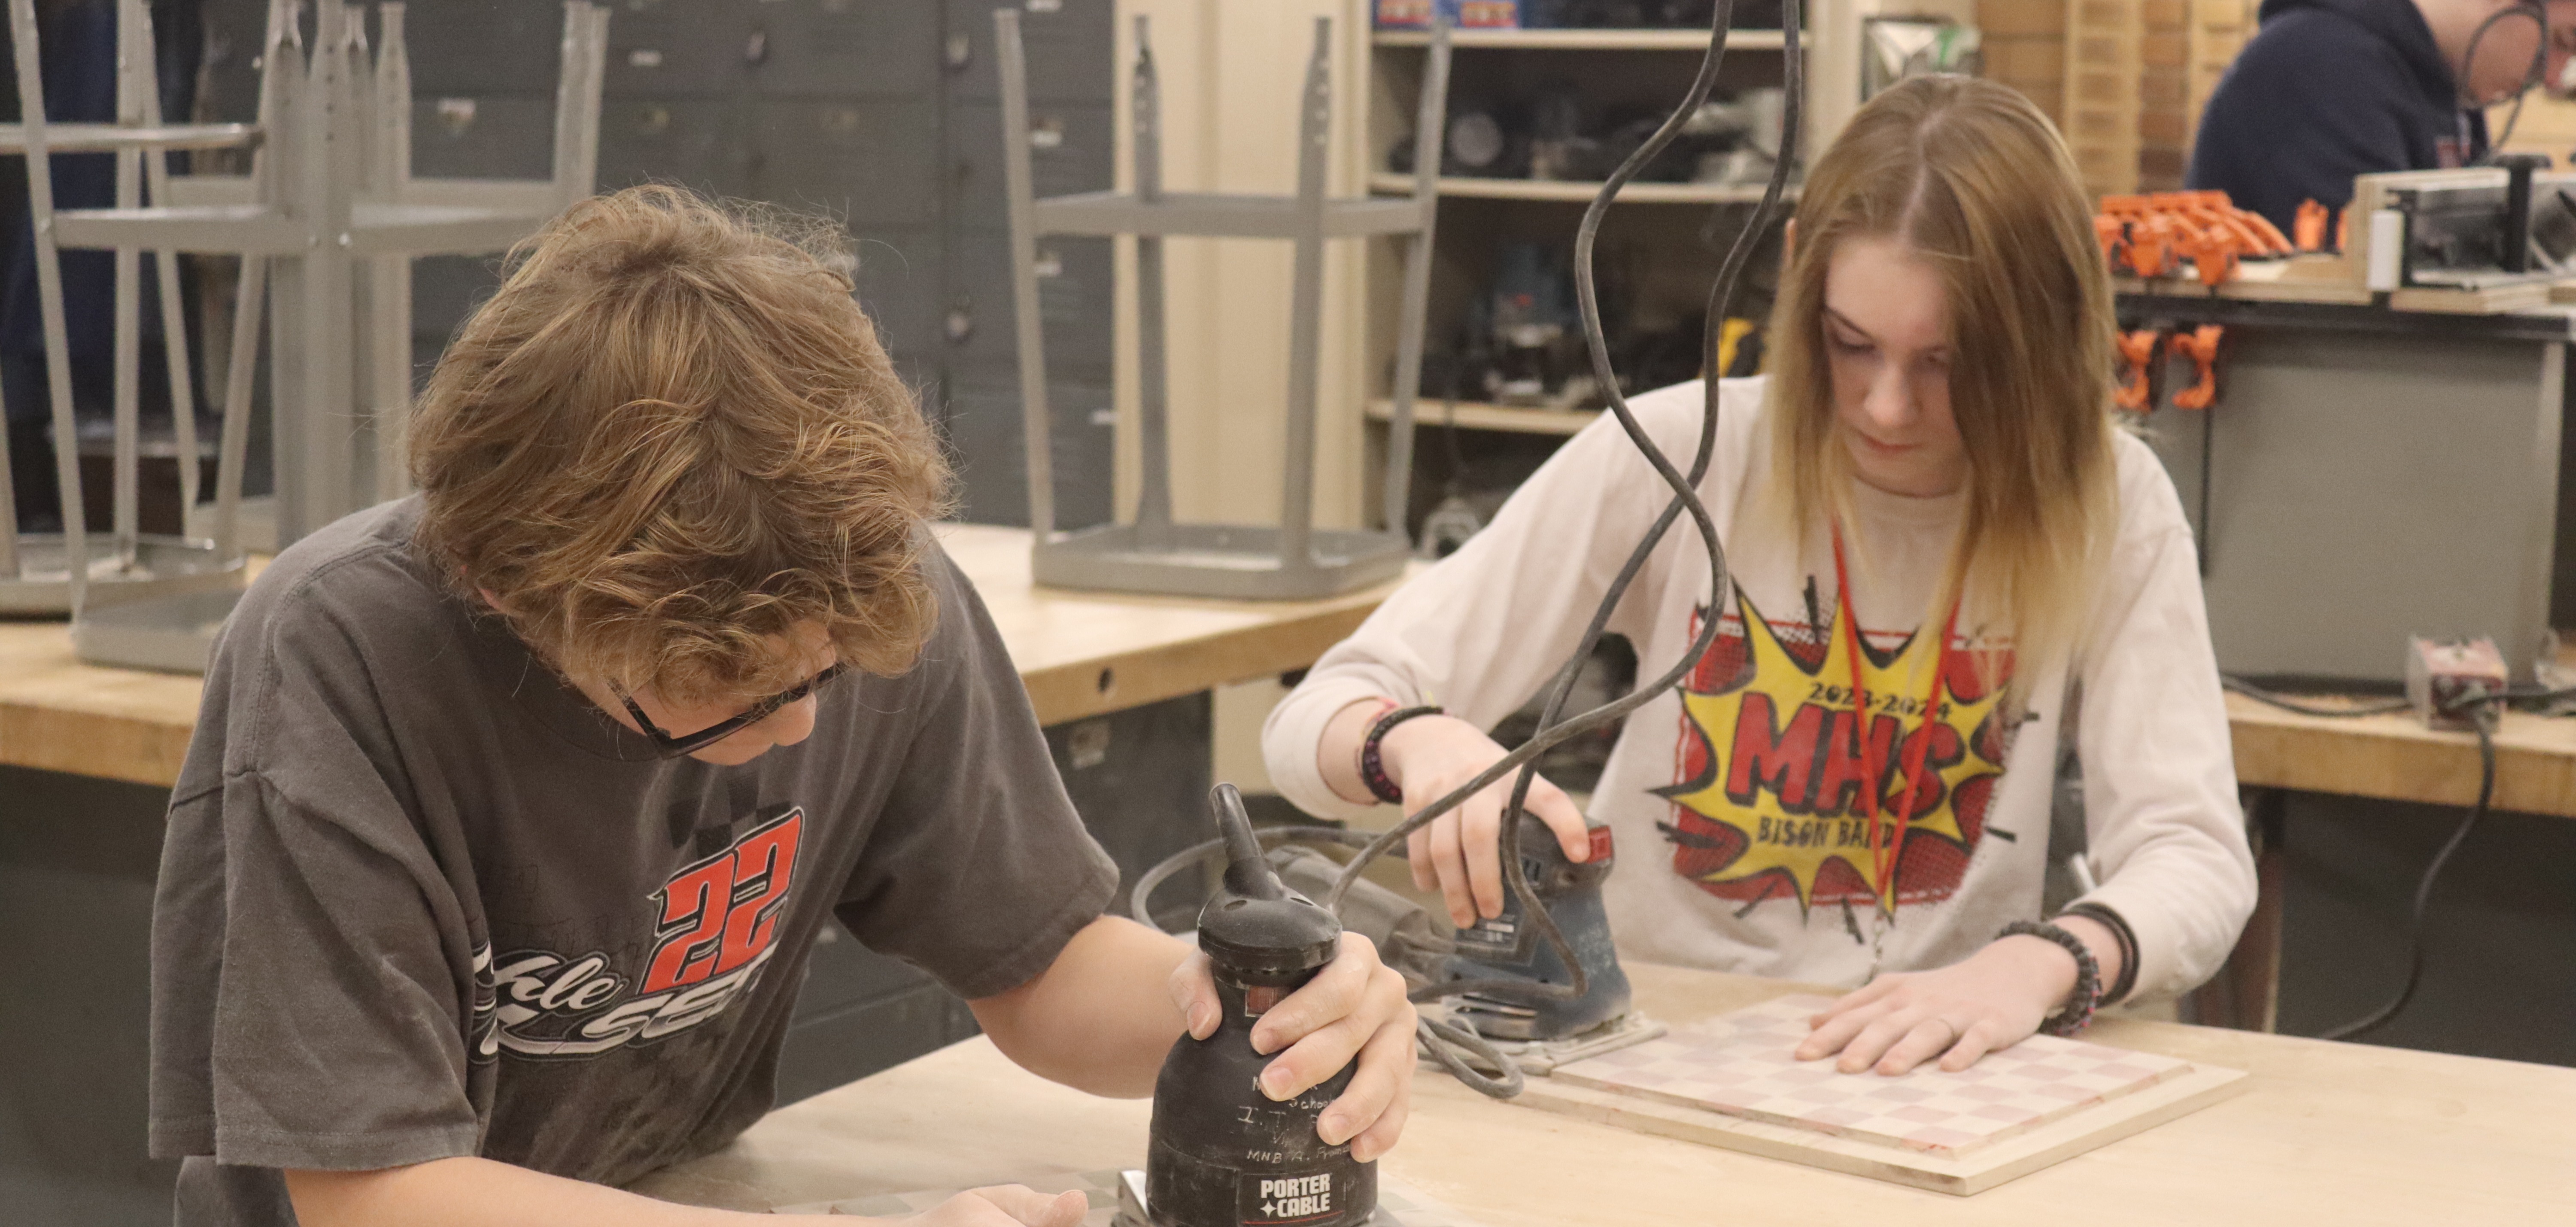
point(515, 805)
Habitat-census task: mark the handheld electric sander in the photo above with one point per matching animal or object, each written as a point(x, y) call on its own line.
point(1521, 991)
point(1222, 1152)
point(1534, 1002)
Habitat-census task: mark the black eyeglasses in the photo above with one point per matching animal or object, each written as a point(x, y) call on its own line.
point(669, 746)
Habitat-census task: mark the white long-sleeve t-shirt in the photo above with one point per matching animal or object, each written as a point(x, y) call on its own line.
point(1735, 802)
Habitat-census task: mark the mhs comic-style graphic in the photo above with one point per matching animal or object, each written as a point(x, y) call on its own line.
point(1770, 762)
point(713, 924)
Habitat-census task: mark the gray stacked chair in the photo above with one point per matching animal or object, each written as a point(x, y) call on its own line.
point(48, 573)
point(328, 221)
point(1157, 553)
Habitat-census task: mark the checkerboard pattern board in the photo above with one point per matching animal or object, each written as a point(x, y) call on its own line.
point(1740, 1064)
point(1398, 1204)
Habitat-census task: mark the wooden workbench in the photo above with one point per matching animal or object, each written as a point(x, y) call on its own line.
point(2329, 1133)
point(2396, 758)
point(1080, 654)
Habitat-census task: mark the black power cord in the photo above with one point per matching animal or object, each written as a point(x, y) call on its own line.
point(2538, 14)
point(2379, 707)
point(2484, 708)
point(1551, 730)
point(2483, 720)
point(1446, 1041)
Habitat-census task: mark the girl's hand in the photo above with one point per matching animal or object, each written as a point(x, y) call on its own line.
point(1991, 1001)
point(1457, 853)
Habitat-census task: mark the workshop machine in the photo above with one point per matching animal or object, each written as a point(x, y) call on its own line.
point(2484, 228)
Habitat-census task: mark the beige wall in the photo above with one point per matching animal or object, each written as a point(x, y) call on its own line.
point(2025, 48)
point(2548, 126)
point(1231, 72)
point(2132, 76)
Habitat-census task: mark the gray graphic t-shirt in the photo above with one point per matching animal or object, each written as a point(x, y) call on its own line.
point(419, 899)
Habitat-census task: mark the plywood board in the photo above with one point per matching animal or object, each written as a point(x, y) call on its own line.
point(1744, 1064)
point(1730, 1082)
point(2529, 296)
point(2277, 282)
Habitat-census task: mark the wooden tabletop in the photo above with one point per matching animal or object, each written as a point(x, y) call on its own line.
point(2396, 758)
point(1079, 653)
point(2329, 1133)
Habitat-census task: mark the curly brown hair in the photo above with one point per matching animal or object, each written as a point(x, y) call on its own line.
point(669, 438)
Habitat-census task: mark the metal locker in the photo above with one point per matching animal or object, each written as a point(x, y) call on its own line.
point(981, 420)
point(840, 972)
point(695, 142)
point(846, 48)
point(228, 79)
point(871, 164)
point(1085, 443)
point(830, 1047)
point(1140, 778)
point(1070, 45)
point(1074, 297)
point(1071, 149)
point(900, 286)
point(479, 47)
point(446, 289)
point(484, 137)
point(680, 48)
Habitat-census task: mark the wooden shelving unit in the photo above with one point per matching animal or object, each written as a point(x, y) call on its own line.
point(1663, 255)
point(1473, 415)
point(1546, 189)
point(1586, 40)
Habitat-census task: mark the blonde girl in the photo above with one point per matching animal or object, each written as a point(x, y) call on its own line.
point(1938, 539)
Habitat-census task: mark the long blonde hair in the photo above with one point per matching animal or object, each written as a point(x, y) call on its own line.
point(1972, 177)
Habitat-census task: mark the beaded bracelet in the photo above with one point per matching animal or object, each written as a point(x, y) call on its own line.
point(1372, 767)
point(2128, 939)
point(2078, 1011)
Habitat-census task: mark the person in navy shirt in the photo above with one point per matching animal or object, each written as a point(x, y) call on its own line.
point(2330, 89)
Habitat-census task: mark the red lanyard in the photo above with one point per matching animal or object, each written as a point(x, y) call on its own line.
point(1887, 839)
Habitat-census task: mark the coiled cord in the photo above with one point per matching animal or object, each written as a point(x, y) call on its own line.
point(1446, 1041)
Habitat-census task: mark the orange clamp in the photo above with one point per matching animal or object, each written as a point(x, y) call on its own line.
point(2151, 246)
point(2311, 225)
point(2110, 232)
point(2213, 250)
point(2137, 357)
point(2201, 346)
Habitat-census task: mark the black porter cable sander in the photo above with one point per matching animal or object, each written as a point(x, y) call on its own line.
point(1222, 1152)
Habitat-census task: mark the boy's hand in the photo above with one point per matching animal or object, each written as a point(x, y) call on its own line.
point(1354, 1007)
point(1006, 1205)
